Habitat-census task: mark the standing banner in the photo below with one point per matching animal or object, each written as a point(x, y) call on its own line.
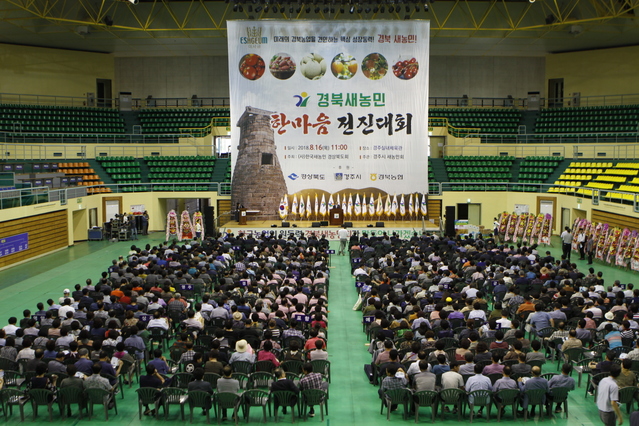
point(327, 107)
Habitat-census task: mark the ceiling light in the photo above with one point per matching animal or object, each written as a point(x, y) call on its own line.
point(375, 9)
point(317, 9)
point(391, 9)
point(352, 9)
point(235, 7)
point(367, 10)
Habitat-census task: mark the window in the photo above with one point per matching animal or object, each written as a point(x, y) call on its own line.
point(267, 159)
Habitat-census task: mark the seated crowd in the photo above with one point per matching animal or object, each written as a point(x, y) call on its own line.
point(470, 314)
point(209, 316)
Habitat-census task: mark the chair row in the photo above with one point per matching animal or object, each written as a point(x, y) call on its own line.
point(63, 397)
point(460, 399)
point(222, 401)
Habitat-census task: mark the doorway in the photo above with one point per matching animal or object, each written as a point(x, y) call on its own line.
point(80, 229)
point(111, 206)
point(103, 90)
point(437, 146)
point(565, 218)
point(470, 212)
point(555, 93)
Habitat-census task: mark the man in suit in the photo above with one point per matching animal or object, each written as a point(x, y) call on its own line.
point(283, 384)
point(200, 385)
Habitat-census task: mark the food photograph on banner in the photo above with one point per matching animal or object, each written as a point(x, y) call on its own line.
point(329, 114)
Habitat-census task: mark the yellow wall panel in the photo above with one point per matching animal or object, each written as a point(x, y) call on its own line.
point(56, 72)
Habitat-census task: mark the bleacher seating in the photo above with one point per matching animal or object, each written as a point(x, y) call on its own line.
point(591, 121)
point(82, 174)
point(180, 169)
point(537, 169)
point(121, 169)
point(57, 120)
point(604, 176)
point(479, 168)
point(171, 120)
point(485, 120)
point(578, 174)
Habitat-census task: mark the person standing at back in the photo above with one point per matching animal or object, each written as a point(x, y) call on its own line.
point(566, 242)
point(342, 234)
point(608, 398)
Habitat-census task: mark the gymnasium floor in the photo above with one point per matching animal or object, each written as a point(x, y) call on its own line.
point(353, 401)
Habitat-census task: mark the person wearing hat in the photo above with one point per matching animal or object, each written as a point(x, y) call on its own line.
point(242, 352)
point(609, 316)
point(66, 294)
point(238, 319)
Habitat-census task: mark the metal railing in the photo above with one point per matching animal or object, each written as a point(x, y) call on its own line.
point(37, 152)
point(182, 102)
point(596, 194)
point(43, 194)
point(39, 195)
point(597, 100)
point(73, 138)
point(597, 151)
point(458, 132)
point(221, 101)
point(84, 101)
point(572, 138)
point(67, 101)
point(24, 197)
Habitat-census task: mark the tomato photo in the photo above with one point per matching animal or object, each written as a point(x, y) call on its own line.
point(406, 69)
point(252, 66)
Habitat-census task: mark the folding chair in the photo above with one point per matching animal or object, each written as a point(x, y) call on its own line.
point(146, 397)
point(426, 399)
point(100, 397)
point(313, 397)
point(254, 398)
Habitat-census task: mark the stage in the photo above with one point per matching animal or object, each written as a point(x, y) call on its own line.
point(403, 228)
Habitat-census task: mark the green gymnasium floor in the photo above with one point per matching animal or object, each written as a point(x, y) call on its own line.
point(353, 401)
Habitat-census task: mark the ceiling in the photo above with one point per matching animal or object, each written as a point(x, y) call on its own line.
point(198, 27)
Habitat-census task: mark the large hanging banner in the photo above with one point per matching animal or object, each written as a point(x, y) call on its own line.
point(327, 107)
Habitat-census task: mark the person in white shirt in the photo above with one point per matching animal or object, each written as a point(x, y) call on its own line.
point(477, 312)
point(581, 243)
point(343, 235)
point(10, 329)
point(628, 292)
point(158, 322)
point(608, 398)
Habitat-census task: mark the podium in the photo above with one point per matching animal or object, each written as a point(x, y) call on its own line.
point(336, 216)
point(242, 217)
